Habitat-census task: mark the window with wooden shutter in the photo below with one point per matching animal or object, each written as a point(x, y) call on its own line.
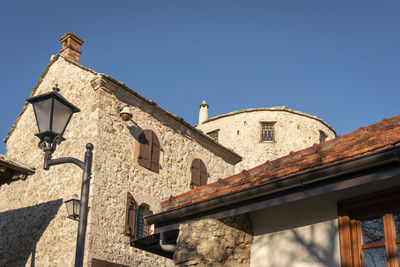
point(369, 230)
point(149, 153)
point(130, 220)
point(199, 173)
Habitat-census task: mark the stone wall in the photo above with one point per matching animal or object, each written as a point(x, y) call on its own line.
point(241, 131)
point(34, 229)
point(211, 242)
point(118, 171)
point(33, 209)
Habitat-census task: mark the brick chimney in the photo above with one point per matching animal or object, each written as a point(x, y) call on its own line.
point(71, 46)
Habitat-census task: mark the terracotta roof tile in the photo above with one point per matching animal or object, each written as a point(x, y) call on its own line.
point(361, 142)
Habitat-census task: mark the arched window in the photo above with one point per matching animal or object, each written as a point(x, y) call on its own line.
point(135, 225)
point(199, 173)
point(149, 153)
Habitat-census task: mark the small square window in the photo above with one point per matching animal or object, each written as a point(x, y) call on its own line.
point(267, 132)
point(214, 135)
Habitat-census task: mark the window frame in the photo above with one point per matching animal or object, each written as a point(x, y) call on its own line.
point(134, 218)
point(271, 124)
point(198, 177)
point(350, 214)
point(141, 225)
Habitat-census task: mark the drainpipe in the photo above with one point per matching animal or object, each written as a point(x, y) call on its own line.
point(164, 245)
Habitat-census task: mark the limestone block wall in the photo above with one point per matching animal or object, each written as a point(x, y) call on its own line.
point(211, 242)
point(118, 171)
point(241, 131)
point(34, 229)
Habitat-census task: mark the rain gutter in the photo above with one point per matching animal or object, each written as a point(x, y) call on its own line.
point(225, 202)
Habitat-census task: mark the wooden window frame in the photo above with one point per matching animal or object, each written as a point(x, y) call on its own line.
point(198, 172)
point(134, 218)
point(149, 151)
point(351, 211)
point(267, 124)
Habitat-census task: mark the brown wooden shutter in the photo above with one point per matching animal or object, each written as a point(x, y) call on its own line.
point(130, 220)
point(145, 140)
point(203, 173)
point(195, 170)
point(155, 154)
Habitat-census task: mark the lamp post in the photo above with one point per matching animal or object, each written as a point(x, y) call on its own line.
point(53, 113)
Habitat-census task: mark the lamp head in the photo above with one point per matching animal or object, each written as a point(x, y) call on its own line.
point(125, 113)
point(53, 113)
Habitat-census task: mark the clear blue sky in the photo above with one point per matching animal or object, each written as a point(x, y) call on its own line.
point(338, 60)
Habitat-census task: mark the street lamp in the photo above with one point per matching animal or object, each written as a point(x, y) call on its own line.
point(73, 206)
point(53, 113)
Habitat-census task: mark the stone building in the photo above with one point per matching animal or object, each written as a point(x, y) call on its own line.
point(261, 134)
point(138, 164)
point(333, 204)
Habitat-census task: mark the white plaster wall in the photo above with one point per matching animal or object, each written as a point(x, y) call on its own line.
point(300, 234)
point(241, 130)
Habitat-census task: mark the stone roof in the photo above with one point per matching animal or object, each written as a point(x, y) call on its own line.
point(12, 169)
point(283, 108)
point(364, 141)
point(233, 156)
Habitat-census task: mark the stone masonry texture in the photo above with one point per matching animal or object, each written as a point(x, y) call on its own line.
point(34, 229)
point(241, 131)
point(211, 242)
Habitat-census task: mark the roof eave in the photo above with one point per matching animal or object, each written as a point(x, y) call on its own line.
point(226, 202)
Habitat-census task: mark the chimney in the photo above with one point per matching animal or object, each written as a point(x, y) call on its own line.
point(203, 114)
point(71, 46)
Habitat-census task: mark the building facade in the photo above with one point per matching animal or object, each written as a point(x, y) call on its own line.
point(138, 163)
point(262, 134)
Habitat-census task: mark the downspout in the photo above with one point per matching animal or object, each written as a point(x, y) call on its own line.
point(164, 245)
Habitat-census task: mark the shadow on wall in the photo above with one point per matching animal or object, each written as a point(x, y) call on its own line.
point(21, 229)
point(314, 245)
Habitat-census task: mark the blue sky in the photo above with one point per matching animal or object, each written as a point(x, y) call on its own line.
point(338, 60)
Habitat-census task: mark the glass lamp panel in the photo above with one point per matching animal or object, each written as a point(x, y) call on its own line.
point(372, 230)
point(70, 207)
point(76, 207)
point(61, 116)
point(375, 257)
point(42, 112)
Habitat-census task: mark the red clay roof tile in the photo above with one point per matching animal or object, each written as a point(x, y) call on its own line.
point(363, 141)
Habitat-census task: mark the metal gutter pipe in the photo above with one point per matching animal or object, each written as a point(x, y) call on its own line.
point(164, 245)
